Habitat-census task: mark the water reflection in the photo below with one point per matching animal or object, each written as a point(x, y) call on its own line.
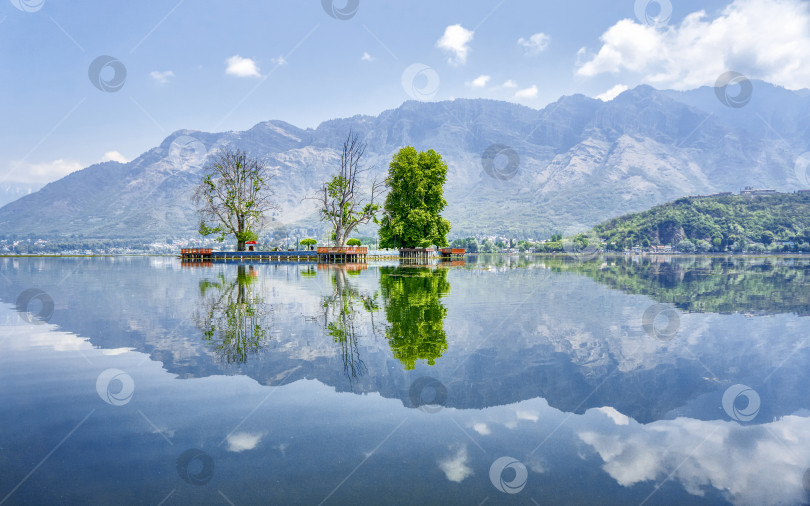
point(342, 316)
point(725, 285)
point(232, 315)
point(415, 313)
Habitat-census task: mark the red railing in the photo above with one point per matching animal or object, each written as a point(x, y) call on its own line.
point(195, 251)
point(348, 250)
point(453, 251)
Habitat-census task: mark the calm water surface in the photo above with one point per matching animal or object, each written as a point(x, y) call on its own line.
point(505, 380)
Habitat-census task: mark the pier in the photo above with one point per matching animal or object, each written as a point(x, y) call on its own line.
point(348, 254)
point(452, 253)
point(208, 255)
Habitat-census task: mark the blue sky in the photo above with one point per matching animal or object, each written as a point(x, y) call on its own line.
point(215, 66)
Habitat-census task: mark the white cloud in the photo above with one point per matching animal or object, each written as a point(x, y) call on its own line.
point(612, 93)
point(161, 77)
point(479, 82)
point(367, 57)
point(535, 44)
point(455, 466)
point(279, 61)
point(756, 464)
point(510, 84)
point(527, 93)
point(113, 156)
point(482, 429)
point(614, 414)
point(241, 67)
point(456, 41)
point(763, 39)
point(44, 172)
point(242, 441)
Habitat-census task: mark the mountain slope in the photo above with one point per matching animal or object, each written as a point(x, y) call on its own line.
point(734, 220)
point(580, 161)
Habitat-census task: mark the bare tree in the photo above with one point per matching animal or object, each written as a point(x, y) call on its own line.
point(234, 195)
point(342, 200)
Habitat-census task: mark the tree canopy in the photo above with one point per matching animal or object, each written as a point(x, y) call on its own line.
point(233, 196)
point(411, 217)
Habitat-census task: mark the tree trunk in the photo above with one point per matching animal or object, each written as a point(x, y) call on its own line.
point(240, 245)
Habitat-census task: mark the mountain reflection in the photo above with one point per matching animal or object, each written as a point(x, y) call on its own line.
point(725, 285)
point(415, 313)
point(232, 315)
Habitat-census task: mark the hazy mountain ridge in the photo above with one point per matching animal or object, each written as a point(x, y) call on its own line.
point(581, 161)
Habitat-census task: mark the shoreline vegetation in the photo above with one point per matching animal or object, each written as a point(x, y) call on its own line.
point(759, 224)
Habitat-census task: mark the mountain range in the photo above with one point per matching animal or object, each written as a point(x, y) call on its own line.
point(512, 170)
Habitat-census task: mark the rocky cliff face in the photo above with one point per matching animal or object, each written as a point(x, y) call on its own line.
point(566, 167)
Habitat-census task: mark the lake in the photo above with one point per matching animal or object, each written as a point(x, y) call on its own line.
point(499, 380)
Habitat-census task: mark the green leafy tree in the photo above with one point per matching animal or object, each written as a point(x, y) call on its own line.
point(342, 200)
point(412, 218)
point(308, 242)
point(233, 196)
point(686, 246)
point(353, 242)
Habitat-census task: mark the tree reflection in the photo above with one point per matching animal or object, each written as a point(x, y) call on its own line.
point(412, 298)
point(341, 316)
point(232, 316)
